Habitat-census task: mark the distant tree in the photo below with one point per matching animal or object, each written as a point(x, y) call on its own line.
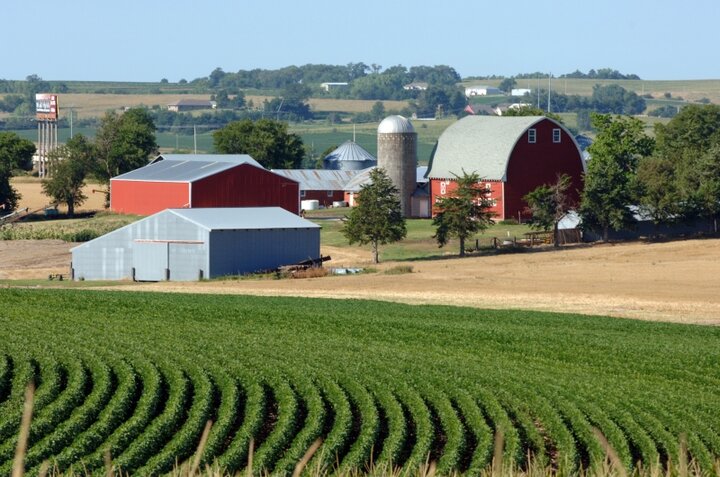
point(531, 111)
point(667, 111)
point(377, 218)
point(708, 192)
point(266, 140)
point(616, 99)
point(464, 213)
point(378, 111)
point(182, 81)
point(16, 152)
point(685, 144)
point(548, 204)
point(164, 81)
point(123, 142)
point(215, 77)
point(610, 182)
point(437, 98)
point(583, 120)
point(507, 85)
point(659, 197)
point(11, 102)
point(69, 165)
point(9, 197)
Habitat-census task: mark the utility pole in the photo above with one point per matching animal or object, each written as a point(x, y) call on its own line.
point(549, 77)
point(195, 137)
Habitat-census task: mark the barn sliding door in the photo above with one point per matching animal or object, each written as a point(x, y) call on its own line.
point(150, 260)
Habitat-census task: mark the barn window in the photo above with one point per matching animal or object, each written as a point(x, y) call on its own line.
point(532, 136)
point(329, 193)
point(556, 135)
point(302, 193)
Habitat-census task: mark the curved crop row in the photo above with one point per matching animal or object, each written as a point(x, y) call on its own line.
point(384, 386)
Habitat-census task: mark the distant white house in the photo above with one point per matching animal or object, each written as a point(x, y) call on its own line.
point(482, 91)
point(416, 86)
point(329, 86)
point(520, 91)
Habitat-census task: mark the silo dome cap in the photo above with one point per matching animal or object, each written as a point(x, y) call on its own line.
point(395, 124)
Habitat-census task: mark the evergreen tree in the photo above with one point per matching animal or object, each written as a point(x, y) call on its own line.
point(377, 219)
point(464, 213)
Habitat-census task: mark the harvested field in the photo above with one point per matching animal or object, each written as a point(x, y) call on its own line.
point(30, 188)
point(96, 105)
point(673, 281)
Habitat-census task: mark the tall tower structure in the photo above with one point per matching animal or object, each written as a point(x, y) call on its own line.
point(397, 154)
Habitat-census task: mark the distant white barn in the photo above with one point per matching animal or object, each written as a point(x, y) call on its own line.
point(482, 91)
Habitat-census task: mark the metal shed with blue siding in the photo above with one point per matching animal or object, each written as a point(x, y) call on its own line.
point(189, 244)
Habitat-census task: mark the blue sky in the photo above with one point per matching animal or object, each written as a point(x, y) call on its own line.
point(146, 40)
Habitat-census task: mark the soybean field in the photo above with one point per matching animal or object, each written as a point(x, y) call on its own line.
point(138, 375)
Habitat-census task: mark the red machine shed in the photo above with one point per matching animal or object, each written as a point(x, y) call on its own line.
point(198, 181)
point(512, 155)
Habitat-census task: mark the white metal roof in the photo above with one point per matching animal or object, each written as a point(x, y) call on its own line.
point(235, 158)
point(350, 151)
point(185, 168)
point(237, 218)
point(479, 144)
point(395, 124)
point(318, 179)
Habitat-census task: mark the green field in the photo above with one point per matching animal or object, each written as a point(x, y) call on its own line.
point(381, 384)
point(419, 242)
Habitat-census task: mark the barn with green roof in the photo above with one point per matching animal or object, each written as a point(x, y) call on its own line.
point(512, 155)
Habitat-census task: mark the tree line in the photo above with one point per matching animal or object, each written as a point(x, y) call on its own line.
point(672, 178)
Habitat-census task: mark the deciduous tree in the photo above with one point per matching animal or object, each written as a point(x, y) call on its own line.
point(377, 219)
point(123, 142)
point(69, 165)
point(610, 182)
point(267, 141)
point(548, 204)
point(16, 152)
point(464, 212)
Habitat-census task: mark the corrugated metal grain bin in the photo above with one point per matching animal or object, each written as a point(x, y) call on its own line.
point(189, 244)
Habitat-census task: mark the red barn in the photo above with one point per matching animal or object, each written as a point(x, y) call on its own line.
point(201, 180)
point(512, 155)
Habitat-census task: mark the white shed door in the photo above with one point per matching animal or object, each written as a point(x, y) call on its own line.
point(150, 259)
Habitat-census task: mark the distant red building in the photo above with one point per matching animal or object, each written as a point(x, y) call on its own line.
point(203, 180)
point(512, 156)
point(325, 186)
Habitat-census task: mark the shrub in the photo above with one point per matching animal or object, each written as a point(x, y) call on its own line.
point(399, 270)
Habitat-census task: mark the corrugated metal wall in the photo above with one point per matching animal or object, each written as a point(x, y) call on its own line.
point(235, 252)
point(246, 186)
point(110, 257)
point(145, 198)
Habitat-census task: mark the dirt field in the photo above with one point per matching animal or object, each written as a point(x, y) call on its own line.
point(674, 281)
